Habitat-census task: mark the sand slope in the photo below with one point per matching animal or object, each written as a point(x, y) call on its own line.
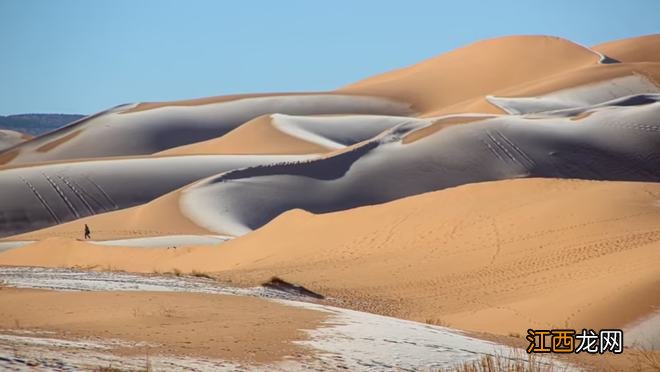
point(289, 134)
point(253, 330)
point(9, 138)
point(158, 217)
point(498, 256)
point(45, 195)
point(595, 78)
point(614, 142)
point(636, 49)
point(108, 133)
point(476, 70)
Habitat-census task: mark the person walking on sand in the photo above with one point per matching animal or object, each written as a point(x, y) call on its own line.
point(88, 234)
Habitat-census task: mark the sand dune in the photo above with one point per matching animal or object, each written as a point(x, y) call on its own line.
point(157, 129)
point(636, 49)
point(585, 95)
point(9, 138)
point(612, 143)
point(158, 217)
point(476, 70)
point(498, 256)
point(45, 195)
point(288, 134)
point(580, 79)
point(257, 136)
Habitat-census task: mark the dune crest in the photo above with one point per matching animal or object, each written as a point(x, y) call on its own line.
point(636, 49)
point(476, 70)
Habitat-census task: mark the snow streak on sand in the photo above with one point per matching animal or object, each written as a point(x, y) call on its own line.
point(618, 142)
point(336, 132)
point(161, 241)
point(30, 353)
point(166, 241)
point(585, 95)
point(349, 339)
point(45, 195)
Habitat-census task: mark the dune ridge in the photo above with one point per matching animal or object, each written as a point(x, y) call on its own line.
point(45, 195)
point(157, 129)
point(636, 49)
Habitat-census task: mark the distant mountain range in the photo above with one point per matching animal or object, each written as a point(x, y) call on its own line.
point(36, 124)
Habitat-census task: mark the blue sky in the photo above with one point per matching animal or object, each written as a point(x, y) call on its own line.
point(83, 56)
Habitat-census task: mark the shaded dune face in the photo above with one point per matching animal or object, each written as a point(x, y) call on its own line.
point(40, 196)
point(121, 132)
point(10, 138)
point(294, 134)
point(612, 143)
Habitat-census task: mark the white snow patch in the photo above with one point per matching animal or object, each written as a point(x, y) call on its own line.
point(584, 95)
point(645, 333)
point(5, 246)
point(165, 241)
point(336, 132)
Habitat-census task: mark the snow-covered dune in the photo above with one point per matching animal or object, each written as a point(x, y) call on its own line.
point(45, 195)
point(125, 131)
point(612, 143)
point(337, 132)
point(584, 95)
point(294, 134)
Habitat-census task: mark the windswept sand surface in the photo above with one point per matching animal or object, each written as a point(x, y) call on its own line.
point(157, 129)
point(45, 195)
point(9, 138)
point(636, 49)
point(615, 143)
point(289, 134)
point(497, 257)
point(476, 70)
point(233, 328)
point(510, 184)
point(296, 335)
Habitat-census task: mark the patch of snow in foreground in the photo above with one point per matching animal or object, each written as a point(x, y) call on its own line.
point(646, 333)
point(19, 353)
point(81, 280)
point(165, 241)
point(349, 339)
point(363, 341)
